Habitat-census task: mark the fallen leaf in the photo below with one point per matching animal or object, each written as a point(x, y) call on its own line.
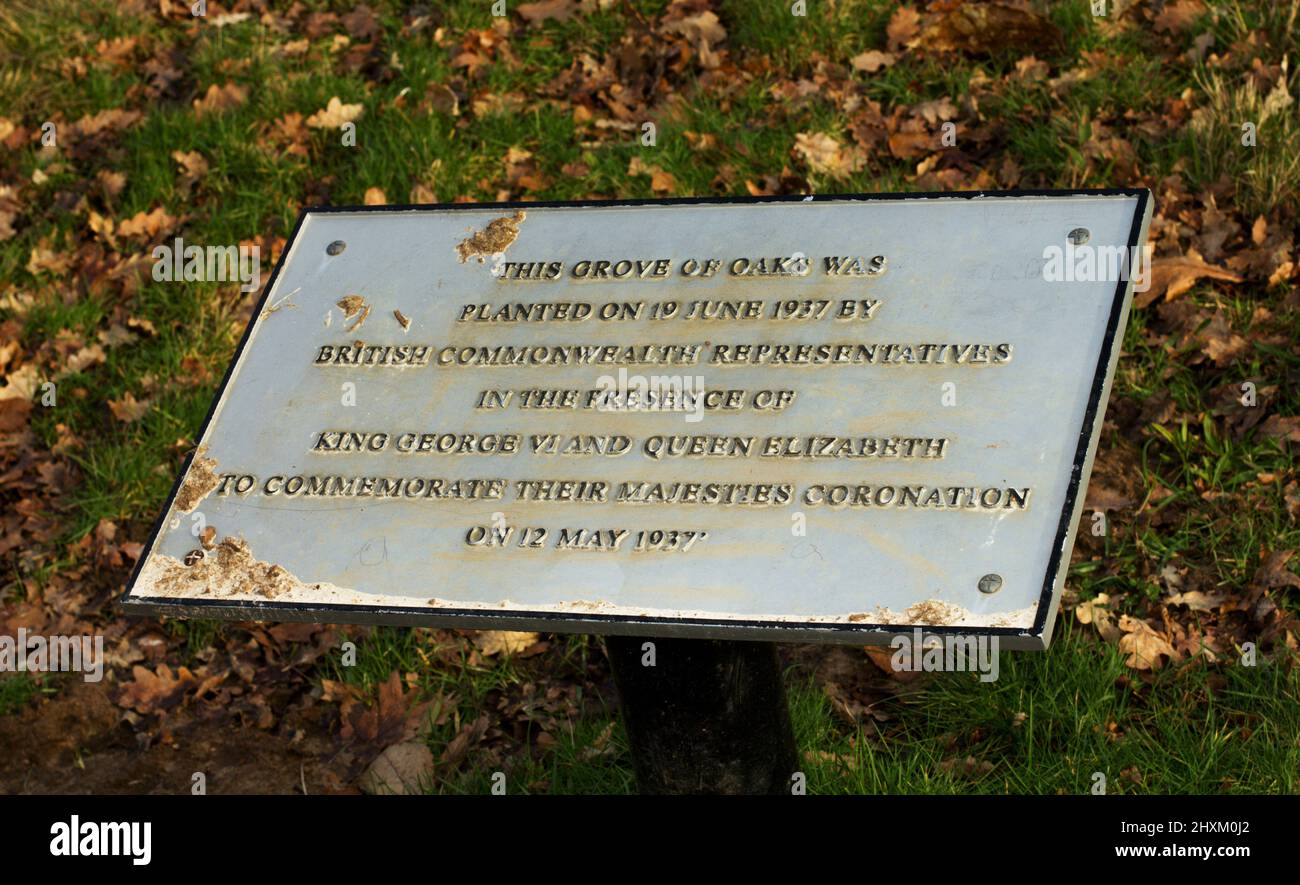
point(405, 768)
point(536, 13)
point(83, 359)
point(872, 60)
point(1178, 17)
point(128, 409)
point(826, 156)
point(192, 164)
point(985, 28)
point(147, 225)
point(1196, 600)
point(1095, 612)
point(1172, 276)
point(1101, 497)
point(1273, 572)
point(335, 114)
point(220, 98)
point(155, 692)
point(1282, 427)
point(662, 182)
point(903, 27)
point(494, 642)
point(1145, 648)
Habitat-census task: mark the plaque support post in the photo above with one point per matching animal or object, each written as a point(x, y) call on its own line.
point(704, 716)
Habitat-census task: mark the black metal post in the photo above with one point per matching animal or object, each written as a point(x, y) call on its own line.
point(707, 717)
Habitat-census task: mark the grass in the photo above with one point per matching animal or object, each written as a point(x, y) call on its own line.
point(1194, 727)
point(1048, 724)
point(18, 689)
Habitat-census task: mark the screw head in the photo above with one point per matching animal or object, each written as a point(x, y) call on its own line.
point(336, 247)
point(193, 556)
point(1079, 236)
point(990, 583)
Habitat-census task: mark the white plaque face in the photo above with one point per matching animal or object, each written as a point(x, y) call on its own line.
point(832, 419)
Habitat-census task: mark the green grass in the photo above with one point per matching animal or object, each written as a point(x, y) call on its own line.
point(18, 689)
point(1048, 724)
point(1191, 729)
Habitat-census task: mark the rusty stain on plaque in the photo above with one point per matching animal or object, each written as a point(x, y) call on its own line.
point(713, 418)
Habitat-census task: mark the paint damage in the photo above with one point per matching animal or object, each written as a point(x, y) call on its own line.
point(354, 306)
point(233, 573)
point(199, 481)
point(491, 240)
point(230, 570)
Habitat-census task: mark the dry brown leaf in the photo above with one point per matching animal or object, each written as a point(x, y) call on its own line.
point(1146, 649)
point(192, 164)
point(1178, 17)
point(826, 156)
point(545, 10)
point(1100, 497)
point(147, 225)
point(335, 114)
point(83, 359)
point(1219, 342)
point(662, 182)
point(872, 60)
point(910, 145)
point(405, 768)
point(1095, 612)
point(903, 27)
point(220, 98)
point(128, 409)
point(493, 642)
point(1172, 276)
point(1273, 572)
point(1196, 600)
point(984, 28)
point(155, 692)
point(1282, 427)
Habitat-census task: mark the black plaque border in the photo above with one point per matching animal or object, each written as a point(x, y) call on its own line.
point(1036, 637)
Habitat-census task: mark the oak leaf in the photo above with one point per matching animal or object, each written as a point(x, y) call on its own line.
point(128, 408)
point(1174, 275)
point(1146, 649)
point(335, 114)
point(220, 98)
point(493, 642)
point(903, 27)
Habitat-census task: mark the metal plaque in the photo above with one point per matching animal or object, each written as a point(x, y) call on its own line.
point(821, 419)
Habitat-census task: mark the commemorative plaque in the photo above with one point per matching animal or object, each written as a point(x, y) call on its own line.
point(823, 419)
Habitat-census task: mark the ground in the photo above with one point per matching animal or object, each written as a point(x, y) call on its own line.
point(126, 124)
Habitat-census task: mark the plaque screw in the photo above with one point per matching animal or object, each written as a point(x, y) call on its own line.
point(193, 556)
point(1079, 236)
point(336, 247)
point(990, 583)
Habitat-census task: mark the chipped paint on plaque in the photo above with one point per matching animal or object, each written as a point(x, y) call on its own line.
point(199, 481)
point(492, 240)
